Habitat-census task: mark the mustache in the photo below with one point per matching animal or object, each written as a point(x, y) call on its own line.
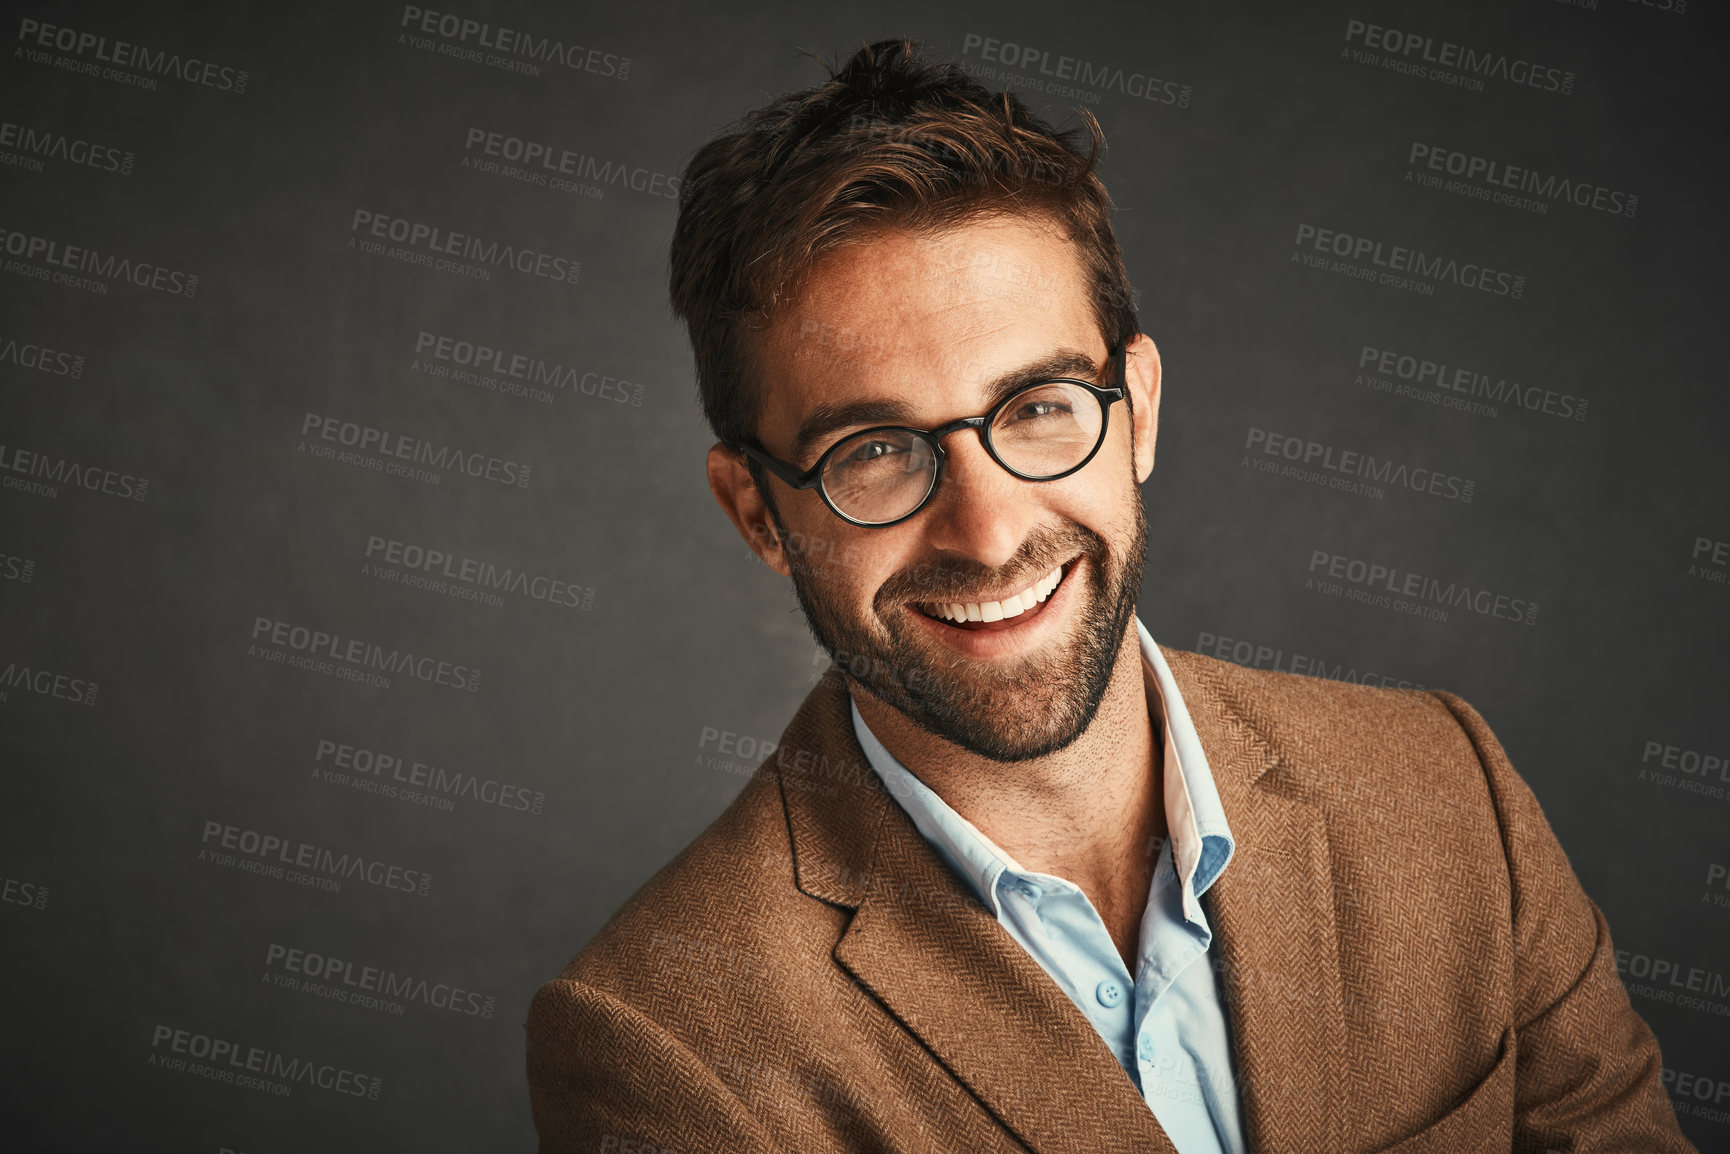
point(962, 580)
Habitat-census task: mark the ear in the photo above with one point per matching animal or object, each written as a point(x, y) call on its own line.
point(743, 503)
point(1141, 374)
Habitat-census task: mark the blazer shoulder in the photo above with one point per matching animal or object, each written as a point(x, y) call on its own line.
point(719, 913)
point(1330, 735)
point(1278, 697)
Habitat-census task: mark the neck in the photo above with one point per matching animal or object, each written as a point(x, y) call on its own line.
point(1092, 813)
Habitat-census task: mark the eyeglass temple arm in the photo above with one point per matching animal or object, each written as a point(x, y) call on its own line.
point(791, 474)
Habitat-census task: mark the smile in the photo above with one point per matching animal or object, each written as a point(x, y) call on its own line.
point(999, 610)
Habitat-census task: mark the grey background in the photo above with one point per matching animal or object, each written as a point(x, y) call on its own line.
point(611, 711)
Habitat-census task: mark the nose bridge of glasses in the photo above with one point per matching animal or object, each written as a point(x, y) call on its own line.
point(941, 431)
point(969, 471)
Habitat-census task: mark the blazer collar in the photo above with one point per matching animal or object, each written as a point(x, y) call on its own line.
point(937, 960)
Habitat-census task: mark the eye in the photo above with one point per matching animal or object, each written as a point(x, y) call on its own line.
point(873, 450)
point(1034, 408)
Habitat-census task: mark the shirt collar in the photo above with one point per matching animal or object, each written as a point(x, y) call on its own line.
point(1201, 840)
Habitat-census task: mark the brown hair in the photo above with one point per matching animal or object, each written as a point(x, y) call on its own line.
point(891, 140)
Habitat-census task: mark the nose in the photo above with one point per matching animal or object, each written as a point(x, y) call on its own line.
point(980, 510)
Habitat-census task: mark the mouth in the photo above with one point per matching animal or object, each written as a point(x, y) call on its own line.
point(996, 613)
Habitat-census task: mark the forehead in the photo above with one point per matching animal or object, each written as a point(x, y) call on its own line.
point(924, 317)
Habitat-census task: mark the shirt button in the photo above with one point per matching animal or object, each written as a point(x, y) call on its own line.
point(1109, 993)
point(1031, 891)
point(1146, 1050)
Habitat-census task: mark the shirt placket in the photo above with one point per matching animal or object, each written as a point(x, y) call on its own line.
point(1065, 934)
point(1167, 1073)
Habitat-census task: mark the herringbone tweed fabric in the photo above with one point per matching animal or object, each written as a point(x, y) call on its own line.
point(1408, 961)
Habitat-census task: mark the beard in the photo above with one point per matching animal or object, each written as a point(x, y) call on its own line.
point(1004, 711)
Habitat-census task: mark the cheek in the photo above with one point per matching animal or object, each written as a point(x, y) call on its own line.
point(1102, 497)
point(847, 565)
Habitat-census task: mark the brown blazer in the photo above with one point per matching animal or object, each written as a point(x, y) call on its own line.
point(1408, 963)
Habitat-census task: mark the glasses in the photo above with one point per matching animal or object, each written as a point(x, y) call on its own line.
point(882, 476)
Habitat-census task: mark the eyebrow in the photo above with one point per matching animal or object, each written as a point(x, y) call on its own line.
point(827, 419)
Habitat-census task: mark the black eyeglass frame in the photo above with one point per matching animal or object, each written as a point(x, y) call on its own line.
point(812, 478)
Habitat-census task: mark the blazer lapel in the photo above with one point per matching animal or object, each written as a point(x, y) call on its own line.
point(937, 960)
point(1272, 914)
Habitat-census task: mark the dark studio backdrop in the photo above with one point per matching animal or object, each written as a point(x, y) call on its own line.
point(368, 632)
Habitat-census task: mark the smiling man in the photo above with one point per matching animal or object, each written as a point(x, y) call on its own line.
point(1016, 877)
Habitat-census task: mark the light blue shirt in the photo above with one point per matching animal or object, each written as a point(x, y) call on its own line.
point(1165, 1024)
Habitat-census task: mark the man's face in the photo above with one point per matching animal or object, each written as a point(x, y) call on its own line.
point(920, 330)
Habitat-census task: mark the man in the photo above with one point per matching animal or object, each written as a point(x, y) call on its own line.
point(1017, 878)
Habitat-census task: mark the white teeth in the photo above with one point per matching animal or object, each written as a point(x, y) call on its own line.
point(1012, 606)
